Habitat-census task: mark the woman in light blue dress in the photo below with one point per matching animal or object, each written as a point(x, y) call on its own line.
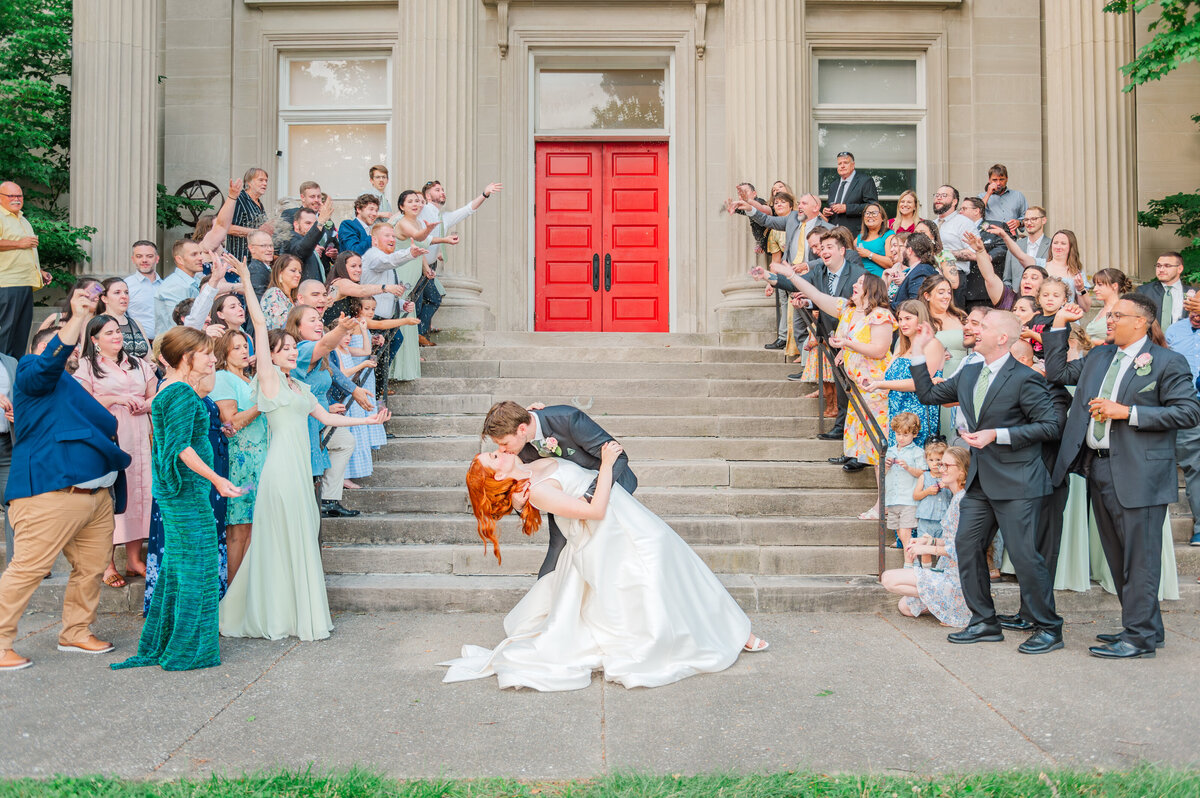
point(898, 381)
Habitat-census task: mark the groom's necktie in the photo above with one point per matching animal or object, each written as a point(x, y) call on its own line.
point(981, 389)
point(1100, 428)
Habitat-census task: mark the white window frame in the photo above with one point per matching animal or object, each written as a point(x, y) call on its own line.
point(849, 113)
point(289, 115)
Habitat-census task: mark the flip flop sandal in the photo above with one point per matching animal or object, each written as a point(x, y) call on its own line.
point(758, 645)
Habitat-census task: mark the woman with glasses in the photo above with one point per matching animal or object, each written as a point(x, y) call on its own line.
point(871, 243)
point(937, 589)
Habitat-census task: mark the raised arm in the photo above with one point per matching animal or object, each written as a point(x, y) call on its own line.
point(38, 374)
point(224, 221)
point(331, 339)
point(268, 378)
point(1060, 371)
point(827, 303)
point(987, 269)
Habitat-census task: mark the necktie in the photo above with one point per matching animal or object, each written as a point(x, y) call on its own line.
point(981, 389)
point(1100, 428)
point(829, 282)
point(1168, 307)
point(841, 192)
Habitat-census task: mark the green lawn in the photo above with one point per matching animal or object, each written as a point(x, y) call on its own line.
point(356, 783)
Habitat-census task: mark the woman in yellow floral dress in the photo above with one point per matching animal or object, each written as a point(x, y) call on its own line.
point(864, 336)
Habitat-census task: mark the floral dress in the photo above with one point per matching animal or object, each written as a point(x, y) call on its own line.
point(940, 588)
point(247, 447)
point(275, 307)
point(907, 402)
point(857, 443)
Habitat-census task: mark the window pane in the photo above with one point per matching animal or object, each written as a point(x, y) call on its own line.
point(866, 81)
point(612, 99)
point(336, 156)
point(886, 152)
point(338, 82)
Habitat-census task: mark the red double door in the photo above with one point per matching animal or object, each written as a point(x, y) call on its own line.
point(601, 226)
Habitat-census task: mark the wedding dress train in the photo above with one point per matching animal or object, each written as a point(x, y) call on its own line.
point(628, 597)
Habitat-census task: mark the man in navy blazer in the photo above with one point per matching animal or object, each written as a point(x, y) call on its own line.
point(66, 468)
point(354, 235)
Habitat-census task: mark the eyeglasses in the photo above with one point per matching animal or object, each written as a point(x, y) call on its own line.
point(949, 465)
point(1112, 314)
point(1028, 219)
point(13, 196)
point(943, 194)
point(872, 213)
point(1160, 265)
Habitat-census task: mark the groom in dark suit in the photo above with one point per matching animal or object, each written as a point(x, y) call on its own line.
point(555, 431)
point(1010, 413)
point(1131, 395)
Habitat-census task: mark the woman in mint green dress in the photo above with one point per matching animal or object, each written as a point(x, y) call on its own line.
point(406, 364)
point(180, 632)
point(279, 591)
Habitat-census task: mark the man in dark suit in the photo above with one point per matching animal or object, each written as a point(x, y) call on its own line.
point(849, 195)
point(1167, 292)
point(64, 463)
point(576, 437)
point(1130, 397)
point(1008, 410)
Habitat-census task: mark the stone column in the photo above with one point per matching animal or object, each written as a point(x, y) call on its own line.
point(766, 130)
point(1091, 185)
point(436, 108)
point(114, 127)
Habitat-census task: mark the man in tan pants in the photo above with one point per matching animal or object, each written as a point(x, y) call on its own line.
point(66, 467)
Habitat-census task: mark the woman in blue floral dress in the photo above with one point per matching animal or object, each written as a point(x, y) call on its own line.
point(897, 380)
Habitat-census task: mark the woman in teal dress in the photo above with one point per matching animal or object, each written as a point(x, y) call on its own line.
point(872, 241)
point(280, 588)
point(247, 442)
point(180, 632)
point(898, 381)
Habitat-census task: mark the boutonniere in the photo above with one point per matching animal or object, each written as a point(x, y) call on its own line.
point(548, 447)
point(1149, 387)
point(1142, 363)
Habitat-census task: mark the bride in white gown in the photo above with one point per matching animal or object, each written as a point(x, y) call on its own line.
point(628, 595)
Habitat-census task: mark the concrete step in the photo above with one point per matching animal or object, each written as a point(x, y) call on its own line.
point(525, 559)
point(575, 370)
point(743, 502)
point(674, 426)
point(650, 473)
point(555, 340)
point(598, 386)
point(460, 528)
point(600, 407)
point(640, 449)
point(595, 354)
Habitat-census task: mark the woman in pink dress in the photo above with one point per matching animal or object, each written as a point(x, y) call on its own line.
point(125, 385)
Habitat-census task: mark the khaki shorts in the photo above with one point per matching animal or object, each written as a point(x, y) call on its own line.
point(902, 516)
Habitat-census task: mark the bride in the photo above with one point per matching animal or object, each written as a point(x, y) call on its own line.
point(628, 595)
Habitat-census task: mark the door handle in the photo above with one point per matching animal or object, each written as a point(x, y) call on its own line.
point(607, 272)
point(596, 271)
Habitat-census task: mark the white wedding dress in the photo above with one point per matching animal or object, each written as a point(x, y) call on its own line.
point(628, 596)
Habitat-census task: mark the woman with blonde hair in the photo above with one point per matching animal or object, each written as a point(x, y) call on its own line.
point(627, 597)
point(908, 213)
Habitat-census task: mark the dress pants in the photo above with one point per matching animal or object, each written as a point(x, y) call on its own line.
point(80, 525)
point(557, 541)
point(341, 446)
point(1132, 542)
point(1187, 454)
point(427, 304)
point(16, 317)
point(978, 521)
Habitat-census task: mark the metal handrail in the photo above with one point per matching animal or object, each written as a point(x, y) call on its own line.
point(825, 354)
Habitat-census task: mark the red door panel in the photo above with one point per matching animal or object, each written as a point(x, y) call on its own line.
point(567, 226)
point(601, 226)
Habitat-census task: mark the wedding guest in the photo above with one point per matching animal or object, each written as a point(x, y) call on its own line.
point(125, 385)
point(920, 263)
point(1167, 292)
point(904, 466)
point(181, 284)
point(84, 285)
point(378, 177)
point(1116, 420)
point(143, 285)
point(871, 243)
point(948, 321)
point(8, 378)
point(406, 358)
point(908, 213)
point(279, 589)
point(354, 234)
point(262, 256)
point(938, 590)
point(354, 354)
point(1051, 296)
point(897, 380)
point(932, 499)
point(57, 489)
point(1064, 263)
point(20, 270)
point(180, 632)
point(248, 443)
point(114, 302)
point(1108, 285)
point(249, 215)
point(381, 264)
point(281, 295)
point(849, 195)
point(227, 314)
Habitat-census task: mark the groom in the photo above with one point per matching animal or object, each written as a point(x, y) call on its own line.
point(555, 431)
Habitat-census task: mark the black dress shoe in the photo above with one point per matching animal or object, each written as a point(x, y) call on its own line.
point(854, 465)
point(1015, 622)
point(832, 435)
point(840, 460)
point(332, 509)
point(797, 377)
point(977, 633)
point(1043, 641)
point(1117, 639)
point(779, 343)
point(1120, 650)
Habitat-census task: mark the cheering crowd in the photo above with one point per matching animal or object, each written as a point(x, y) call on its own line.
point(189, 415)
point(1018, 437)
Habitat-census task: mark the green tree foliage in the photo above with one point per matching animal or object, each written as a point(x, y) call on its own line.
point(1176, 42)
point(35, 127)
point(169, 208)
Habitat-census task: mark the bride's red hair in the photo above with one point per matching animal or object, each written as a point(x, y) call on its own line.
point(491, 500)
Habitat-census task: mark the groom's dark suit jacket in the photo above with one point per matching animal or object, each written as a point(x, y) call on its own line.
point(574, 429)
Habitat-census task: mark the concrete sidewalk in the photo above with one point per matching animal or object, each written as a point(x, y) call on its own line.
point(836, 692)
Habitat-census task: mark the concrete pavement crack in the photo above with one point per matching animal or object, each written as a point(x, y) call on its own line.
point(972, 691)
point(38, 631)
point(227, 705)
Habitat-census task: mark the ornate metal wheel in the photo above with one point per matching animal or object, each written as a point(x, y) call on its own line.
point(199, 190)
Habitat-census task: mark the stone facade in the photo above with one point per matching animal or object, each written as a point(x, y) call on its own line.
point(993, 76)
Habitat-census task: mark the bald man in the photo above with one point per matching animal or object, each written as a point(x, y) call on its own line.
point(20, 271)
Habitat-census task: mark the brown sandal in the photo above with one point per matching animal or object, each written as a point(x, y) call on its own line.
point(114, 580)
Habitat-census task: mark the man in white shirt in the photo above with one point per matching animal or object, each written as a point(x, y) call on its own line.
point(378, 175)
point(1168, 292)
point(143, 285)
point(951, 223)
point(181, 284)
point(429, 296)
point(379, 266)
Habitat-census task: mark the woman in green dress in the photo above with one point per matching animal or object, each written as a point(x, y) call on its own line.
point(280, 588)
point(180, 632)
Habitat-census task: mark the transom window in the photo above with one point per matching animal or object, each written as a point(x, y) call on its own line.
point(601, 100)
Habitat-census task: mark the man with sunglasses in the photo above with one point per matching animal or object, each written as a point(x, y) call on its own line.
point(20, 271)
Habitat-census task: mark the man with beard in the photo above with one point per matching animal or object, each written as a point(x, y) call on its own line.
point(951, 223)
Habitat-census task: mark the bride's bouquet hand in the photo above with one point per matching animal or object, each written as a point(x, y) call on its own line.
point(610, 452)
